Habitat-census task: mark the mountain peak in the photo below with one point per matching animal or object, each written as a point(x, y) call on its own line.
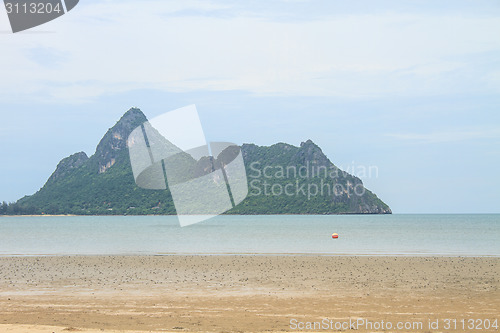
point(312, 153)
point(309, 142)
point(67, 164)
point(132, 114)
point(115, 138)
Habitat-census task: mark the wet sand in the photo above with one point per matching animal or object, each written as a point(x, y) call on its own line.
point(241, 293)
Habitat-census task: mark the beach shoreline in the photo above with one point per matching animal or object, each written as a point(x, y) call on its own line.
point(244, 293)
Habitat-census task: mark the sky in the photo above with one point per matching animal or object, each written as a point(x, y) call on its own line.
point(410, 89)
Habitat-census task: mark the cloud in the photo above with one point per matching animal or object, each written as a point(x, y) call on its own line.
point(115, 46)
point(46, 57)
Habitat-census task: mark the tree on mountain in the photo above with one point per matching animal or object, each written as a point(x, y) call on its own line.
point(3, 208)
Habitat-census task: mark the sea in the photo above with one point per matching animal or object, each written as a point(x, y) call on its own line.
point(392, 235)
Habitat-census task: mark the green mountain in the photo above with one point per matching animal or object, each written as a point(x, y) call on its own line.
point(283, 179)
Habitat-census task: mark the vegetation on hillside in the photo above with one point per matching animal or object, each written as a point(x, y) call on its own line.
point(283, 179)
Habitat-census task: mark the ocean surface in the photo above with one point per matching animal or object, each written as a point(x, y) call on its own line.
point(444, 235)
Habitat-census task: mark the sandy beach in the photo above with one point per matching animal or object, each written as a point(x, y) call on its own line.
point(243, 293)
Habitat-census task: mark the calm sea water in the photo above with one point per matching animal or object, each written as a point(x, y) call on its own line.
point(455, 235)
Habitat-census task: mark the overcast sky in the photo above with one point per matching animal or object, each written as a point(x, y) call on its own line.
point(409, 87)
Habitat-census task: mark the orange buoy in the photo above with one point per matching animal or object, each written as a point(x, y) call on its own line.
point(335, 235)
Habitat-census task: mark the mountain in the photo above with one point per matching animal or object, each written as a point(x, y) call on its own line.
point(302, 180)
point(283, 179)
